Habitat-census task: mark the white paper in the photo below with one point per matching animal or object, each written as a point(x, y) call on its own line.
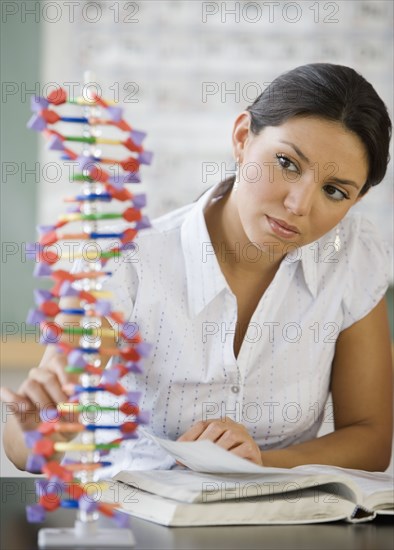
point(206, 456)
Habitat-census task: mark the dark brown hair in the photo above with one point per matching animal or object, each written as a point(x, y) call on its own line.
point(336, 93)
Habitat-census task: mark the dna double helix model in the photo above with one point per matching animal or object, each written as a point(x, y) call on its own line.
point(80, 293)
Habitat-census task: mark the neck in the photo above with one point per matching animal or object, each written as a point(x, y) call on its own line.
point(234, 251)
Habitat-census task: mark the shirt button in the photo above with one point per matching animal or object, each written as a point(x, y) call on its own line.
point(235, 389)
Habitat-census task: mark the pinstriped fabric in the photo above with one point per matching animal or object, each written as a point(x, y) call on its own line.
point(279, 383)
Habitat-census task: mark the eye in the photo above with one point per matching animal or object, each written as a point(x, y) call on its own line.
point(286, 163)
point(334, 193)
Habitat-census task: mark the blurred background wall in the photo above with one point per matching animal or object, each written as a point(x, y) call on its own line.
point(182, 70)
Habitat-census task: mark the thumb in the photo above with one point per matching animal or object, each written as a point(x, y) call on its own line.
point(12, 399)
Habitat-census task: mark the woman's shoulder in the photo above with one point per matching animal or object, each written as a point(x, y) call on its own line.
point(355, 237)
point(360, 266)
point(166, 224)
point(361, 241)
point(360, 222)
point(161, 242)
point(353, 256)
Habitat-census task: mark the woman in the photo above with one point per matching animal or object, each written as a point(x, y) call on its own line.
point(266, 294)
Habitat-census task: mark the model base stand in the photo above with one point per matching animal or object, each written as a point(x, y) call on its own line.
point(95, 538)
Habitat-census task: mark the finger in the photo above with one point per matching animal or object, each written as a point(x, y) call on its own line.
point(56, 362)
point(20, 406)
point(36, 393)
point(248, 451)
point(58, 366)
point(193, 433)
point(13, 400)
point(50, 381)
point(213, 432)
point(229, 440)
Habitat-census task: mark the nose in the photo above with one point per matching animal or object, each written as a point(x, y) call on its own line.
point(300, 197)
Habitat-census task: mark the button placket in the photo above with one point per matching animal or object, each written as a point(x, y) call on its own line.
point(230, 364)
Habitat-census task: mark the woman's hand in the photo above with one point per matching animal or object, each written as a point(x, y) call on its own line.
point(49, 383)
point(228, 434)
point(42, 389)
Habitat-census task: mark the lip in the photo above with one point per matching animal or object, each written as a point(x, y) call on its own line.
point(281, 228)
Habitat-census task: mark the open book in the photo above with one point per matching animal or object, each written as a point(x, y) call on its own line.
point(220, 488)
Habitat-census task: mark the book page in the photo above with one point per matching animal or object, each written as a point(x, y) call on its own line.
point(369, 482)
point(205, 456)
point(189, 486)
point(282, 508)
point(369, 488)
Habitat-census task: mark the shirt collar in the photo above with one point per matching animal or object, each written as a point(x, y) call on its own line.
point(313, 254)
point(306, 256)
point(205, 279)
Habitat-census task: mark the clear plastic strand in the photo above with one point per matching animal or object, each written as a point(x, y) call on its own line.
point(85, 346)
point(89, 380)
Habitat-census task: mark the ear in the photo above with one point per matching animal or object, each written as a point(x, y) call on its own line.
point(241, 133)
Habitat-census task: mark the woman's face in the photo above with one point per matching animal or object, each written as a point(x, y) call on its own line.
point(297, 180)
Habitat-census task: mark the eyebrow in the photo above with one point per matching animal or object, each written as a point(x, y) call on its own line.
point(305, 159)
